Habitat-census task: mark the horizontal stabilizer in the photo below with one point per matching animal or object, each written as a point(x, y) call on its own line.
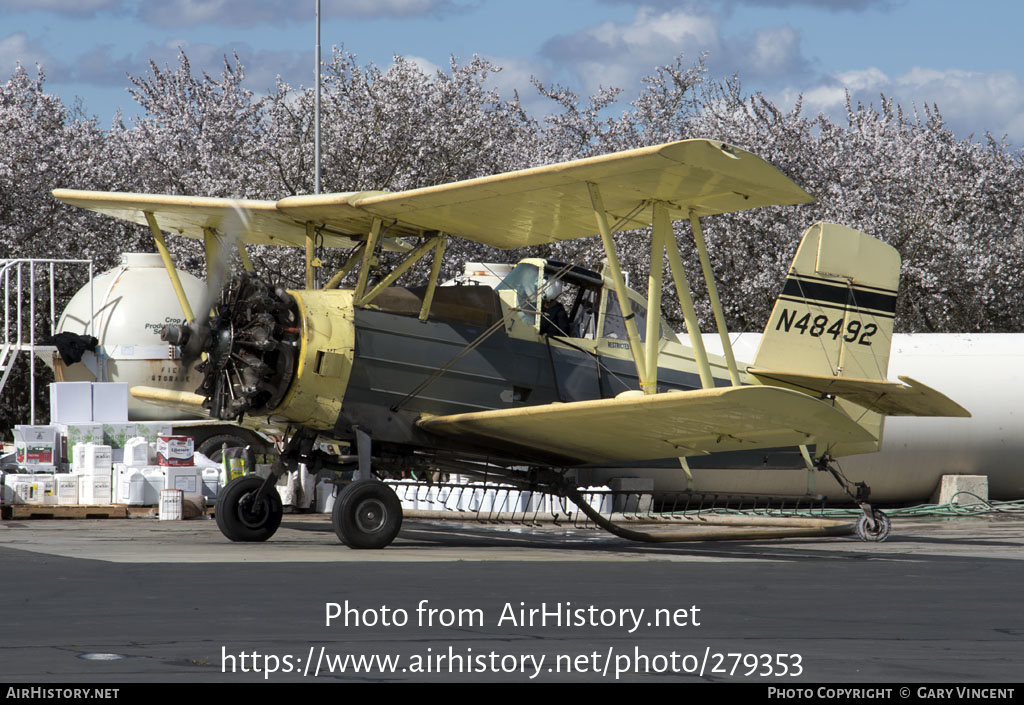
point(889, 398)
point(658, 426)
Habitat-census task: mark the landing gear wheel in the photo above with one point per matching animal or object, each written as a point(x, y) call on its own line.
point(367, 514)
point(880, 532)
point(241, 519)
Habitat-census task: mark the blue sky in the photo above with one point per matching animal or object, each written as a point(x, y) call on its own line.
point(966, 57)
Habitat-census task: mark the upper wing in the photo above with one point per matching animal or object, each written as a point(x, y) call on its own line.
point(659, 425)
point(549, 203)
point(190, 215)
point(510, 210)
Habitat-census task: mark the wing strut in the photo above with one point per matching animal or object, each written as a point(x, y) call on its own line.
point(354, 258)
point(165, 255)
point(620, 286)
point(675, 261)
point(411, 259)
point(716, 304)
point(663, 243)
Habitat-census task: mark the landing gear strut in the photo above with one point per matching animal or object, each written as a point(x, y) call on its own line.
point(873, 525)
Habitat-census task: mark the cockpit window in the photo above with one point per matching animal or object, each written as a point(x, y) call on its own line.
point(524, 280)
point(614, 322)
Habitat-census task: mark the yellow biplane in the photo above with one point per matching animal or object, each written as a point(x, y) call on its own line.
point(507, 381)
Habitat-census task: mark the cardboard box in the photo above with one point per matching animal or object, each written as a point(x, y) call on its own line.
point(116, 435)
point(95, 489)
point(36, 445)
point(67, 489)
point(70, 402)
point(73, 434)
point(152, 430)
point(187, 479)
point(30, 489)
point(110, 402)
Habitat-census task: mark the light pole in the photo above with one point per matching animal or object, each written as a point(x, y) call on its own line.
point(316, 116)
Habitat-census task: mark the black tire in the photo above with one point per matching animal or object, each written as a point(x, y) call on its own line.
point(877, 534)
point(239, 520)
point(367, 514)
point(212, 446)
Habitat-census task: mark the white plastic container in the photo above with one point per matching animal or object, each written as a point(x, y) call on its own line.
point(96, 459)
point(131, 486)
point(211, 484)
point(325, 497)
point(171, 505)
point(136, 452)
point(155, 481)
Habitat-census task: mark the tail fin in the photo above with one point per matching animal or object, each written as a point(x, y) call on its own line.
point(835, 314)
point(834, 318)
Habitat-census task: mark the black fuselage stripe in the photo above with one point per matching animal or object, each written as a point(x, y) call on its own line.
point(853, 309)
point(839, 294)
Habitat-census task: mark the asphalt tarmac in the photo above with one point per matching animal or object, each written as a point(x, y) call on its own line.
point(129, 601)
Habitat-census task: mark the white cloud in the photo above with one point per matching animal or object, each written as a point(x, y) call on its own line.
point(17, 49)
point(425, 65)
point(617, 54)
point(191, 13)
point(970, 101)
point(78, 8)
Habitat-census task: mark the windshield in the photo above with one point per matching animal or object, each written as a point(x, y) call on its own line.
point(523, 280)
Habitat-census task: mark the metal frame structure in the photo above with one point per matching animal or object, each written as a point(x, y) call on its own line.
point(19, 334)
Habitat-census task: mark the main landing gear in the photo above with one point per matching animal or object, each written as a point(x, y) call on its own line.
point(367, 513)
point(249, 509)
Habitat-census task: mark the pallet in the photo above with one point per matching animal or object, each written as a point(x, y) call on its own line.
point(84, 511)
point(65, 511)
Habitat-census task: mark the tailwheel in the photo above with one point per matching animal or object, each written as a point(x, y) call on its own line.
point(367, 514)
point(241, 517)
point(874, 529)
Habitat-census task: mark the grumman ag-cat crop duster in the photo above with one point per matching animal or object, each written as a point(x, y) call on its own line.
point(462, 378)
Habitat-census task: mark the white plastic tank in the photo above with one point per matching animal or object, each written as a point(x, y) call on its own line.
point(133, 302)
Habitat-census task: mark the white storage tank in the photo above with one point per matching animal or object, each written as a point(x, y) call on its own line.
point(133, 302)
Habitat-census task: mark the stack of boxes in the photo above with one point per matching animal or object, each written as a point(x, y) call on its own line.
point(111, 460)
point(36, 450)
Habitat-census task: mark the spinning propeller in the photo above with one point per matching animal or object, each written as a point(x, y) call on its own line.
point(245, 332)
